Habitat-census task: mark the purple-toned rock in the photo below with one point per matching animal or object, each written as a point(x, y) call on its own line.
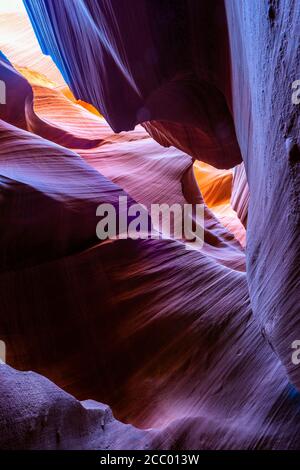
point(36, 414)
point(222, 72)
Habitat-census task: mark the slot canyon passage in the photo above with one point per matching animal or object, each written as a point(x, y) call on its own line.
point(147, 343)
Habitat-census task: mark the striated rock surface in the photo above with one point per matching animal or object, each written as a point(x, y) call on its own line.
point(267, 125)
point(110, 61)
point(240, 193)
point(163, 334)
point(205, 64)
point(36, 414)
point(219, 191)
point(18, 43)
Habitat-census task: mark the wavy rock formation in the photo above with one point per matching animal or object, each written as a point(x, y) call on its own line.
point(124, 158)
point(162, 333)
point(131, 82)
point(223, 78)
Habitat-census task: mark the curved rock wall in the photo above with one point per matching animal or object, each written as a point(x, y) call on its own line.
point(192, 65)
point(164, 334)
